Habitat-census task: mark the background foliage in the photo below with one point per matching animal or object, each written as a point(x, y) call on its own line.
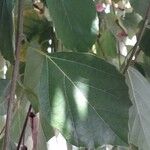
point(84, 69)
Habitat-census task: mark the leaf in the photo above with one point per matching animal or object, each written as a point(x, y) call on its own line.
point(41, 143)
point(131, 22)
point(48, 131)
point(6, 29)
point(108, 43)
point(140, 6)
point(32, 76)
point(144, 44)
point(3, 89)
point(76, 96)
point(139, 122)
point(74, 21)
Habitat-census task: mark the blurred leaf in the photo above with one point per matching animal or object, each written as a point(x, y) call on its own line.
point(41, 143)
point(12, 145)
point(19, 115)
point(32, 76)
point(2, 124)
point(36, 27)
point(145, 42)
point(17, 123)
point(139, 121)
point(3, 89)
point(75, 96)
point(74, 22)
point(140, 6)
point(48, 131)
point(6, 29)
point(131, 22)
point(111, 21)
point(108, 43)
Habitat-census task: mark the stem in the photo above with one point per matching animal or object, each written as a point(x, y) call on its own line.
point(136, 47)
point(119, 59)
point(14, 75)
point(24, 127)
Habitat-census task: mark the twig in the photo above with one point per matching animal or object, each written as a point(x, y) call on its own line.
point(136, 47)
point(24, 127)
point(119, 59)
point(14, 75)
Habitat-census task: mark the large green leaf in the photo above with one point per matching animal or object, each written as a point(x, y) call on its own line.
point(74, 21)
point(6, 29)
point(83, 96)
point(139, 121)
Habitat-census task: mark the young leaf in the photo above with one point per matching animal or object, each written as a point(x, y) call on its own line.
point(6, 29)
point(77, 97)
point(139, 121)
point(74, 22)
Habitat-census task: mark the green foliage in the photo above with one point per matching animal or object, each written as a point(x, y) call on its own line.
point(67, 73)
